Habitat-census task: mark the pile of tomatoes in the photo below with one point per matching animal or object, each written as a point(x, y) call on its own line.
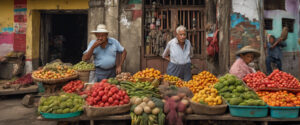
point(73, 86)
point(103, 94)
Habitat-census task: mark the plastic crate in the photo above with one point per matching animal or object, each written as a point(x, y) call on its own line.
point(248, 111)
point(284, 112)
point(57, 116)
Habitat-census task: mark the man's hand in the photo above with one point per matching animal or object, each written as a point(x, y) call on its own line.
point(118, 70)
point(98, 43)
point(167, 58)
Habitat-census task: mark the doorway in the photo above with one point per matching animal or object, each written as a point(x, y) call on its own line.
point(63, 36)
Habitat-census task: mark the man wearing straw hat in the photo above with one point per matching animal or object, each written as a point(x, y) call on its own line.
point(240, 67)
point(104, 49)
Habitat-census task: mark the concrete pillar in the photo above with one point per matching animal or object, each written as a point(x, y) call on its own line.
point(96, 16)
point(112, 18)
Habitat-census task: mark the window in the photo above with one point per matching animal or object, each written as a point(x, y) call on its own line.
point(268, 24)
point(161, 18)
point(274, 4)
point(288, 23)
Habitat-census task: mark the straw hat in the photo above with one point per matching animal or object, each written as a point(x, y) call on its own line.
point(248, 49)
point(101, 28)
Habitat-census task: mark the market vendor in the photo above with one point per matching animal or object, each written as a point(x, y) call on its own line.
point(178, 53)
point(245, 55)
point(105, 50)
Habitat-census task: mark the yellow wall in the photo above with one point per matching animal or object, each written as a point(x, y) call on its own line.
point(6, 14)
point(33, 20)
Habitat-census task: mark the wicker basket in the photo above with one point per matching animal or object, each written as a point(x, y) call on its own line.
point(104, 111)
point(84, 75)
point(208, 110)
point(54, 81)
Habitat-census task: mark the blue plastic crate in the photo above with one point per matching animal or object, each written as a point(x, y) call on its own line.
point(57, 116)
point(284, 112)
point(248, 111)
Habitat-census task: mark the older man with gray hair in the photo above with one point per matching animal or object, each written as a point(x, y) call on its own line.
point(178, 53)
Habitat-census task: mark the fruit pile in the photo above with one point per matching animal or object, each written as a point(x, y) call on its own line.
point(82, 65)
point(200, 81)
point(171, 78)
point(103, 94)
point(147, 110)
point(26, 79)
point(124, 76)
point(277, 79)
point(236, 93)
point(54, 71)
point(280, 98)
point(181, 83)
point(73, 86)
point(62, 104)
point(253, 80)
point(208, 96)
point(148, 73)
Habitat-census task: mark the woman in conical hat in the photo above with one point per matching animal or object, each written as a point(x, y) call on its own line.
point(240, 67)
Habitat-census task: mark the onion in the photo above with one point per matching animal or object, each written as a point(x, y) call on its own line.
point(143, 104)
point(147, 109)
point(155, 111)
point(151, 104)
point(146, 99)
point(138, 110)
point(138, 101)
point(185, 102)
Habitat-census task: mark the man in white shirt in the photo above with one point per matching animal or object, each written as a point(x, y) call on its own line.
point(178, 53)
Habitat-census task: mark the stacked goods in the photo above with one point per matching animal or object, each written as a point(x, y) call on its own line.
point(55, 70)
point(253, 80)
point(140, 89)
point(200, 81)
point(104, 94)
point(208, 96)
point(236, 93)
point(180, 83)
point(26, 79)
point(124, 76)
point(148, 73)
point(280, 98)
point(147, 111)
point(62, 104)
point(82, 65)
point(73, 86)
point(277, 79)
point(171, 79)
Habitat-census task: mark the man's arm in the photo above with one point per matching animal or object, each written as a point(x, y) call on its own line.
point(119, 67)
point(276, 43)
point(166, 53)
point(87, 56)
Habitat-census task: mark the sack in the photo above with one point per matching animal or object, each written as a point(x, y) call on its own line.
point(104, 111)
point(213, 46)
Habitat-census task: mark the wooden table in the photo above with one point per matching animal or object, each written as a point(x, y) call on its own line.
point(193, 117)
point(12, 91)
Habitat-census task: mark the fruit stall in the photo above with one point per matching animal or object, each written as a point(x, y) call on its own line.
point(149, 97)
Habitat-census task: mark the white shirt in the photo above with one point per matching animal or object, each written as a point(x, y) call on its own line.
point(177, 54)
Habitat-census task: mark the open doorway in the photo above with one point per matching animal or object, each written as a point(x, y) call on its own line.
point(63, 36)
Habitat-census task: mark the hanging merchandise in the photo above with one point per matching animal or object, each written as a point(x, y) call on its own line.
point(213, 46)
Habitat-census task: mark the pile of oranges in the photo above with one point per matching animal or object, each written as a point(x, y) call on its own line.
point(171, 78)
point(148, 73)
point(280, 98)
point(55, 72)
point(201, 81)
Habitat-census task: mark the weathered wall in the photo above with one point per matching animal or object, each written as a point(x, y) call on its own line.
point(290, 60)
point(244, 26)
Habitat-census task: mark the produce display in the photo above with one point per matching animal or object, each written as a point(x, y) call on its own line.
point(236, 93)
point(170, 78)
point(280, 98)
point(208, 96)
point(200, 81)
point(149, 73)
point(140, 89)
point(73, 86)
point(103, 94)
point(180, 83)
point(124, 76)
point(55, 70)
point(62, 104)
point(277, 79)
point(26, 79)
point(82, 65)
point(147, 111)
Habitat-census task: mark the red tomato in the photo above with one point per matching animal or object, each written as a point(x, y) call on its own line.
point(101, 93)
point(104, 98)
point(106, 104)
point(110, 100)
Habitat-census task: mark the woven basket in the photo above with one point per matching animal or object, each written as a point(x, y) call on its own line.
point(103, 111)
point(54, 81)
point(84, 75)
point(208, 110)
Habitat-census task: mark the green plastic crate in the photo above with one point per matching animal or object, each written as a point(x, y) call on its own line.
point(58, 116)
point(248, 111)
point(284, 112)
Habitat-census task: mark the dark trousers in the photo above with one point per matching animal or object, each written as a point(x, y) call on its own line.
point(105, 73)
point(270, 60)
point(181, 71)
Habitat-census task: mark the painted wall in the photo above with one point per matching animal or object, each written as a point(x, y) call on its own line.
point(244, 26)
point(292, 12)
point(6, 26)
